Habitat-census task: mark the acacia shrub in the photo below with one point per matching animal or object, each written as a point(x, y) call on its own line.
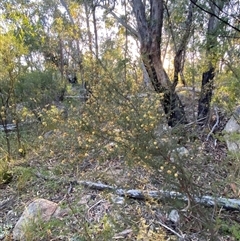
point(122, 119)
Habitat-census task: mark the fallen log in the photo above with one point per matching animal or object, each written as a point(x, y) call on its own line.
point(210, 201)
point(13, 127)
point(8, 127)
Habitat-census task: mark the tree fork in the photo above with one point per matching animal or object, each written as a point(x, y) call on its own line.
point(171, 103)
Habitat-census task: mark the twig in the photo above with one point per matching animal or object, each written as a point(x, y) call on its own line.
point(195, 122)
point(94, 205)
point(215, 125)
point(171, 230)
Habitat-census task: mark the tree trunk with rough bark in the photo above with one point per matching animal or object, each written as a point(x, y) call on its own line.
point(149, 19)
point(150, 35)
point(205, 99)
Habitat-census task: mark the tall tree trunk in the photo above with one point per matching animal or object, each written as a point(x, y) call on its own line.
point(204, 102)
point(95, 31)
point(94, 18)
point(88, 27)
point(78, 56)
point(170, 101)
point(150, 35)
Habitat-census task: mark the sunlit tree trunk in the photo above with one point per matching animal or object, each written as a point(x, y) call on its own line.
point(126, 43)
point(86, 8)
point(95, 31)
point(78, 53)
point(150, 35)
point(91, 21)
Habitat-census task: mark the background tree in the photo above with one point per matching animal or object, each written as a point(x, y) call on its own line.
point(11, 51)
point(150, 32)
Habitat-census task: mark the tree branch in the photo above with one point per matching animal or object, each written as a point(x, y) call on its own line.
point(121, 21)
point(179, 57)
point(143, 28)
point(215, 15)
point(64, 4)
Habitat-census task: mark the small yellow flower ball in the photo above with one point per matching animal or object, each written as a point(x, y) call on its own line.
point(176, 175)
point(169, 171)
point(21, 152)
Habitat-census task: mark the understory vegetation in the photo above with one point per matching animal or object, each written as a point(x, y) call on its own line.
point(122, 139)
point(78, 105)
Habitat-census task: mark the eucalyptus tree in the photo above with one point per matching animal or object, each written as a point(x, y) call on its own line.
point(152, 19)
point(221, 51)
point(211, 56)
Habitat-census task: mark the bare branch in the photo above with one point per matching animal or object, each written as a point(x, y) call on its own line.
point(215, 125)
point(215, 15)
point(121, 21)
point(64, 4)
point(143, 28)
point(178, 60)
point(171, 230)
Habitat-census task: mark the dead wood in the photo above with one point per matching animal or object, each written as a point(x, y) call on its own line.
point(206, 200)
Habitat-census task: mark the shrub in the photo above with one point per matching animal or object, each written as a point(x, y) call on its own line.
point(37, 89)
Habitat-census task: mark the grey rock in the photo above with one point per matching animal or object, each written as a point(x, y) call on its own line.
point(232, 129)
point(39, 209)
point(118, 199)
point(174, 216)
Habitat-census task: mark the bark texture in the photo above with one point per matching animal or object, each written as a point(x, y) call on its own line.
point(150, 35)
point(205, 99)
point(206, 94)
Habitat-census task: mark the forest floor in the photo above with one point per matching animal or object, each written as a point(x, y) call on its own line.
point(52, 171)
